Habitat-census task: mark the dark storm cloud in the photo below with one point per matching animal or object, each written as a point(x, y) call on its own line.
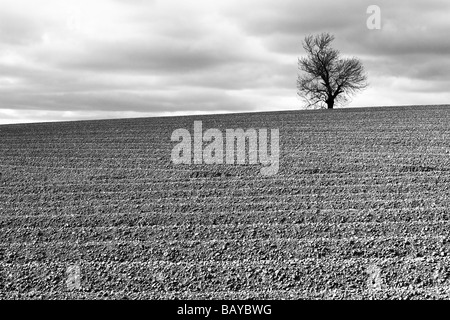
point(407, 26)
point(79, 59)
point(290, 17)
point(161, 56)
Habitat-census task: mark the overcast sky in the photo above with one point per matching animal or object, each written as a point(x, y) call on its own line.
point(69, 60)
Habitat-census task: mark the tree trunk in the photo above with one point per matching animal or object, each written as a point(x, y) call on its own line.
point(330, 103)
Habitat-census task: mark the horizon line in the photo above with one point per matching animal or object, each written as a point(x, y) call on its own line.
point(218, 112)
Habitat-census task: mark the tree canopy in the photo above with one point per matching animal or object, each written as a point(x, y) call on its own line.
point(324, 77)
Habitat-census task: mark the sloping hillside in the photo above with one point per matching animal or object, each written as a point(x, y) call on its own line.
point(358, 209)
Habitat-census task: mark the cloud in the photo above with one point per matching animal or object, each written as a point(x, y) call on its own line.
point(83, 59)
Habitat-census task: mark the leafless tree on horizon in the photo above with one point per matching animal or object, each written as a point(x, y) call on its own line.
point(325, 78)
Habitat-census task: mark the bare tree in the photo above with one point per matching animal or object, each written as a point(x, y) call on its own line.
point(325, 78)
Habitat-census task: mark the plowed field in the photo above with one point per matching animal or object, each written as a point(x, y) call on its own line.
point(360, 208)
